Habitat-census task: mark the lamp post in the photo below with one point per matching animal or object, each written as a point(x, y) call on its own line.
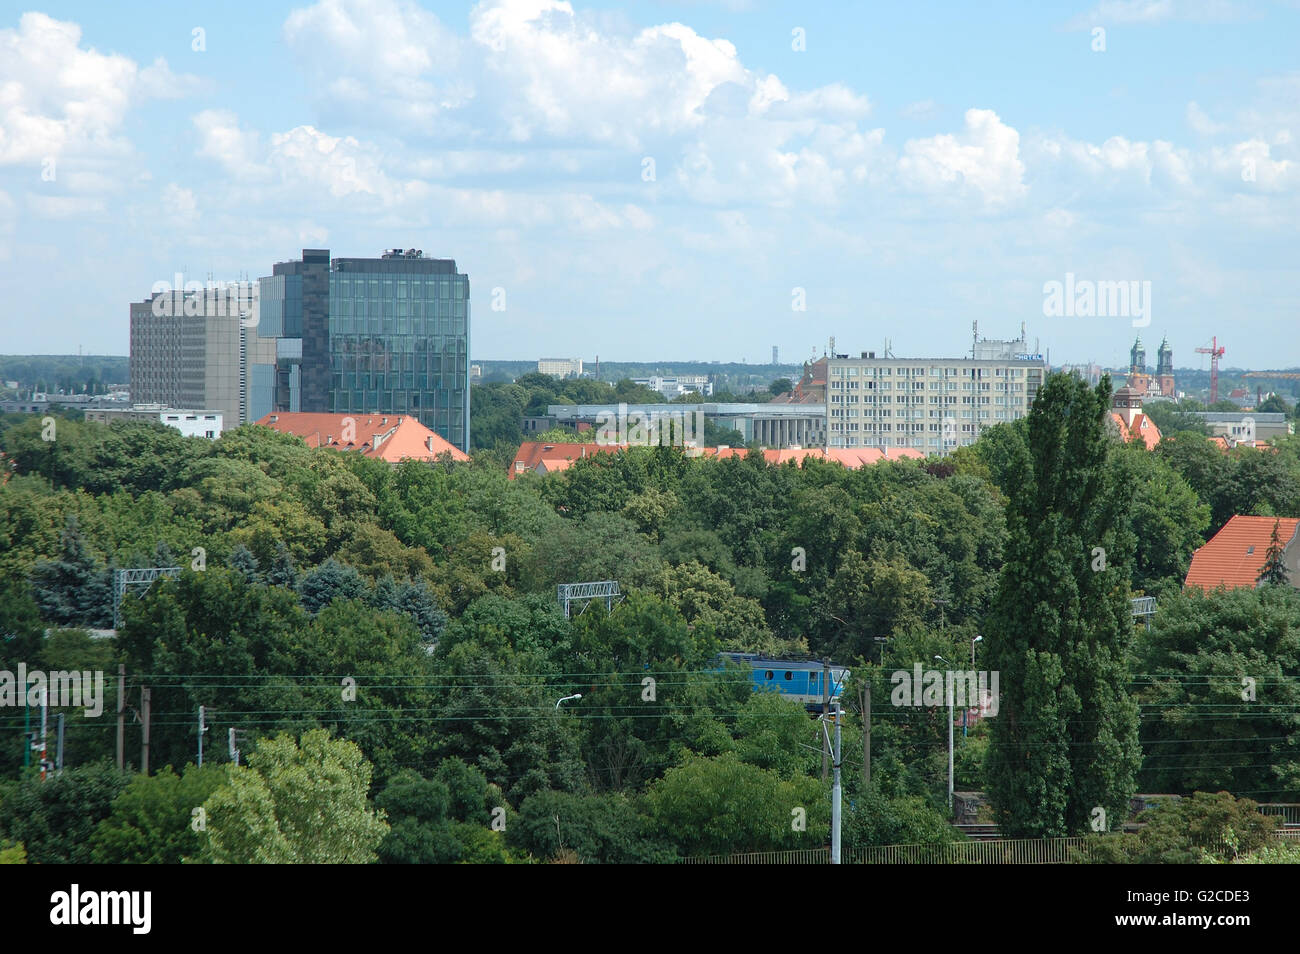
point(951, 719)
point(576, 695)
point(965, 713)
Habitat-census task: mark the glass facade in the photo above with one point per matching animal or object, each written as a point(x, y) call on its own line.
point(399, 342)
point(371, 336)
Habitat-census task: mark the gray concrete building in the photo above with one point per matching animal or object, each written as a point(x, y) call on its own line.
point(196, 350)
point(1247, 425)
point(929, 404)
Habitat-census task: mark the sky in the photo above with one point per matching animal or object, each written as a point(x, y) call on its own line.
point(673, 180)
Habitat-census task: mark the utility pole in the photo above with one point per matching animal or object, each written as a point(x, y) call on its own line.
point(950, 721)
point(826, 706)
point(45, 712)
point(145, 693)
point(58, 762)
point(948, 682)
point(835, 793)
point(234, 752)
point(866, 736)
point(121, 715)
point(202, 728)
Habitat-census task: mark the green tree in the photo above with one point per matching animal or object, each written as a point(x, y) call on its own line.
point(1065, 738)
point(152, 819)
point(73, 590)
point(1203, 827)
point(597, 829)
point(55, 818)
point(722, 805)
point(1274, 571)
point(296, 804)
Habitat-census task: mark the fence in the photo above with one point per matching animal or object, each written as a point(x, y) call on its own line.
point(1003, 851)
point(1017, 851)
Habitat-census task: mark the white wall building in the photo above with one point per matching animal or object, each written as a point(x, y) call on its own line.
point(205, 424)
point(929, 404)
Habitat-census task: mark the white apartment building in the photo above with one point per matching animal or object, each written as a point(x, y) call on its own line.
point(673, 387)
point(191, 423)
point(560, 367)
point(928, 404)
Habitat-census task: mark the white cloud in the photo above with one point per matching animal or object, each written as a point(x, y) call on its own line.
point(984, 157)
point(58, 98)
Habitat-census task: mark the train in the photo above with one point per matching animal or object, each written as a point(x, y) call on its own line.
point(803, 680)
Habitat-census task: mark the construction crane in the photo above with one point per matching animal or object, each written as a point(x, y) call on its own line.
point(1215, 353)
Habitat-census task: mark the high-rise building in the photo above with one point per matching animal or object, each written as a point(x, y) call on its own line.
point(196, 348)
point(929, 404)
point(387, 335)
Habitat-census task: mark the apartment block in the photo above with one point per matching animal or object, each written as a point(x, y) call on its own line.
point(929, 404)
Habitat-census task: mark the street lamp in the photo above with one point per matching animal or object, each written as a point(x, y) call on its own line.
point(948, 688)
point(576, 695)
point(966, 712)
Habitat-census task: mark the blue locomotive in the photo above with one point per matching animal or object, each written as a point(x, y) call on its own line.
point(803, 680)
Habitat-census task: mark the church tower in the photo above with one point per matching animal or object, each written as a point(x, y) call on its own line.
point(1165, 368)
point(1137, 358)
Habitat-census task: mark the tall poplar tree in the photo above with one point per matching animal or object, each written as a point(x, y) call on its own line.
point(1064, 742)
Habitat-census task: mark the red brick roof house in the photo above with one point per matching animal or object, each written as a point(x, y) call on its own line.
point(390, 437)
point(1235, 555)
point(1126, 415)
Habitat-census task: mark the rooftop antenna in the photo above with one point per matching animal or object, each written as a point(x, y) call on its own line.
point(974, 337)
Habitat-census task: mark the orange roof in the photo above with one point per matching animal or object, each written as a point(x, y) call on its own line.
point(850, 457)
point(546, 458)
point(1143, 429)
point(390, 437)
point(1236, 554)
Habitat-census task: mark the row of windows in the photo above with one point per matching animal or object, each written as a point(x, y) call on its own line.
point(418, 325)
point(368, 307)
point(852, 371)
point(397, 288)
point(920, 386)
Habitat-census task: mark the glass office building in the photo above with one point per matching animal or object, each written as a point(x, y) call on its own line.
point(372, 335)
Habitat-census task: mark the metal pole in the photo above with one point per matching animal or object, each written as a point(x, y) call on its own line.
point(951, 719)
point(144, 729)
point(826, 708)
point(202, 729)
point(45, 710)
point(121, 715)
point(835, 795)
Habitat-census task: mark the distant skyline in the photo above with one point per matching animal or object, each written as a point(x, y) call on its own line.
point(640, 178)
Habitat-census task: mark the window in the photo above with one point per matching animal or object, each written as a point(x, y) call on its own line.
point(788, 675)
point(769, 674)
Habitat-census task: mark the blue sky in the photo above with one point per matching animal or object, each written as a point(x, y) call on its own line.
point(913, 168)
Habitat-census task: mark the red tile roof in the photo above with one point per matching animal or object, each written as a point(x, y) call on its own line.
point(390, 437)
point(1236, 554)
point(547, 458)
point(1144, 429)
